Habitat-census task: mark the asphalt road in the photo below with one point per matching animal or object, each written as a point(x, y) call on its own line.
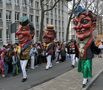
point(98, 83)
point(35, 77)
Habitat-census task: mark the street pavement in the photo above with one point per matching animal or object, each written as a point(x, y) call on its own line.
point(35, 77)
point(97, 84)
point(71, 80)
point(60, 77)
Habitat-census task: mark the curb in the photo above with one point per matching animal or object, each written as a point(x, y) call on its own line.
point(92, 80)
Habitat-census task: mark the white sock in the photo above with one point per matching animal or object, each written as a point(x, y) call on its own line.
point(84, 80)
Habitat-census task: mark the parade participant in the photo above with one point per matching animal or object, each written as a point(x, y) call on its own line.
point(33, 55)
point(85, 23)
point(73, 53)
point(25, 35)
point(2, 62)
point(48, 38)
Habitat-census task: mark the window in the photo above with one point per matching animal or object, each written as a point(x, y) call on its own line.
point(37, 19)
point(31, 3)
point(37, 33)
point(8, 1)
point(62, 23)
point(47, 20)
point(55, 22)
point(17, 16)
point(0, 14)
point(59, 23)
point(58, 11)
point(55, 10)
point(24, 3)
point(51, 21)
point(59, 35)
point(8, 15)
point(51, 13)
point(51, 3)
point(47, 6)
point(0, 34)
point(36, 4)
point(62, 34)
point(31, 18)
point(58, 5)
point(24, 14)
point(37, 22)
point(0, 1)
point(17, 2)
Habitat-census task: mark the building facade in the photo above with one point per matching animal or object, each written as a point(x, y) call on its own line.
point(11, 10)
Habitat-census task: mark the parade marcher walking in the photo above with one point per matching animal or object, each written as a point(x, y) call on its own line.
point(33, 55)
point(72, 51)
point(85, 23)
point(2, 62)
point(48, 37)
point(25, 35)
point(14, 63)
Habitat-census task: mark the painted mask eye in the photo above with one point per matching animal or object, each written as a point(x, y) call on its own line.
point(75, 22)
point(84, 21)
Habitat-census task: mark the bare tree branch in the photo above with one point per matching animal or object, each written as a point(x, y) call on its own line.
point(91, 4)
point(47, 3)
point(52, 6)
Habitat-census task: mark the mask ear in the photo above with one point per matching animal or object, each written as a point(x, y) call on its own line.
point(93, 26)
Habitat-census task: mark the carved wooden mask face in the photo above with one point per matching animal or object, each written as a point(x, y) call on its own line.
point(48, 36)
point(23, 34)
point(84, 26)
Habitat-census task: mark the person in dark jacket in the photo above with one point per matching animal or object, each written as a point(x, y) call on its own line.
point(48, 37)
point(85, 23)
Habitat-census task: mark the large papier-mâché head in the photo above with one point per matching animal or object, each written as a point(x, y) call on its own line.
point(49, 34)
point(84, 22)
point(25, 31)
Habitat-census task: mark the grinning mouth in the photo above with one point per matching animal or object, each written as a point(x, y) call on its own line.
point(82, 31)
point(20, 37)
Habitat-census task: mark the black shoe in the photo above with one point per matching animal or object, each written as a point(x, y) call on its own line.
point(84, 85)
point(73, 66)
point(87, 80)
point(24, 79)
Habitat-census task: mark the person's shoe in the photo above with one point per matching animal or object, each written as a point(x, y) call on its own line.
point(14, 75)
point(57, 61)
point(24, 79)
point(84, 85)
point(3, 75)
point(50, 66)
point(73, 66)
point(32, 68)
point(87, 80)
point(47, 68)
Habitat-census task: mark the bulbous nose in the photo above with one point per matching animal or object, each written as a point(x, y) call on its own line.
point(18, 33)
point(78, 27)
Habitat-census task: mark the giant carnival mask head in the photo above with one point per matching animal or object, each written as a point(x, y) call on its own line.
point(85, 22)
point(25, 32)
point(49, 34)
